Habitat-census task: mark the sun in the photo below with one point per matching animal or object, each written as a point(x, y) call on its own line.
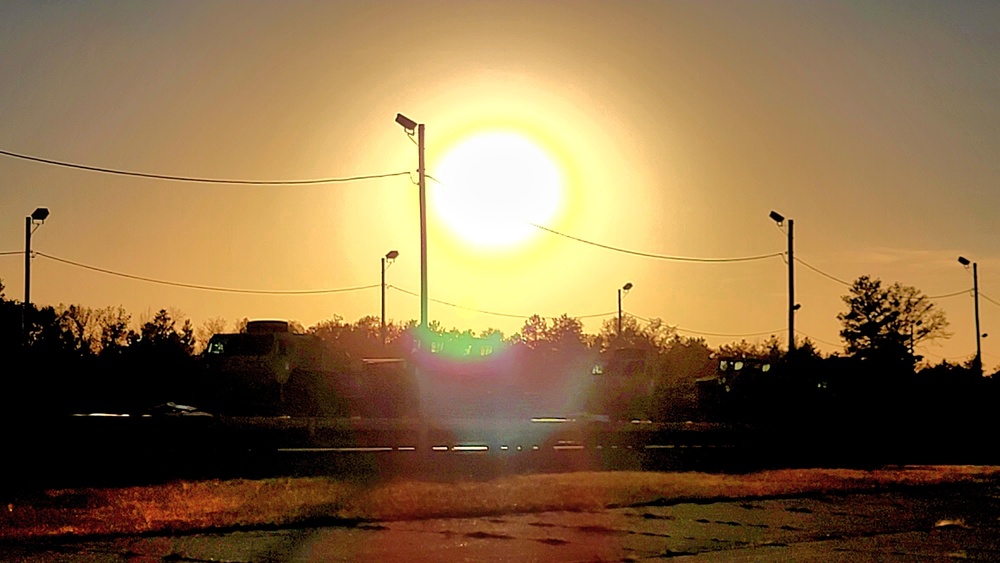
point(492, 186)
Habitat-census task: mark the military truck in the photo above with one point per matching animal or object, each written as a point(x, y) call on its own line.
point(740, 389)
point(622, 388)
point(269, 370)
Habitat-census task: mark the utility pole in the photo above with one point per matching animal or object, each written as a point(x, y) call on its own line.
point(27, 260)
point(791, 286)
point(792, 307)
point(27, 280)
point(382, 329)
point(621, 292)
point(410, 127)
point(975, 292)
point(31, 222)
point(619, 313)
point(422, 180)
point(390, 257)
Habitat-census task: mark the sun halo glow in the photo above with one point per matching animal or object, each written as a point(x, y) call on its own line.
point(493, 185)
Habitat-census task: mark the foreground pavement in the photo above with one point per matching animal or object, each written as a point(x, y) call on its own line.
point(931, 523)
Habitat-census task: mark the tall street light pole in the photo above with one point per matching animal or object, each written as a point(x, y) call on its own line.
point(780, 219)
point(625, 288)
point(390, 256)
point(31, 222)
point(975, 292)
point(410, 126)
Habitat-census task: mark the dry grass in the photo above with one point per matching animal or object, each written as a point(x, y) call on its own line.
point(190, 506)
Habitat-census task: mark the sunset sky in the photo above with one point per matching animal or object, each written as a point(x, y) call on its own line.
point(665, 128)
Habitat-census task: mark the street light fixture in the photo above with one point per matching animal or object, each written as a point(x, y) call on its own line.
point(625, 288)
point(975, 292)
point(410, 126)
point(780, 220)
point(389, 257)
point(31, 224)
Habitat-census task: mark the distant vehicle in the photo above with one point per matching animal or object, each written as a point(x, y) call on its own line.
point(269, 370)
point(623, 387)
point(736, 388)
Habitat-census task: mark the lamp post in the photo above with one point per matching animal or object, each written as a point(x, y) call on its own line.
point(389, 257)
point(410, 126)
point(31, 223)
point(975, 292)
point(780, 220)
point(625, 288)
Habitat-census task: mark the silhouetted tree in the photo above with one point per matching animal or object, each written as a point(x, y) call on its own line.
point(157, 365)
point(769, 350)
point(77, 330)
point(883, 324)
point(655, 336)
point(161, 334)
point(112, 330)
point(10, 329)
point(533, 331)
point(206, 330)
point(362, 339)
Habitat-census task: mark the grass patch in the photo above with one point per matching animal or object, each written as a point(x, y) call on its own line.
point(185, 507)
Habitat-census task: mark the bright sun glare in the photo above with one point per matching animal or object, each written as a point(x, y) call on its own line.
point(493, 186)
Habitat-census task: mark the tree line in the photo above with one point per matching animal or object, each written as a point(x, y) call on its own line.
point(72, 358)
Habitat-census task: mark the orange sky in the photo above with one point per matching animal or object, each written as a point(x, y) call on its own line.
point(677, 127)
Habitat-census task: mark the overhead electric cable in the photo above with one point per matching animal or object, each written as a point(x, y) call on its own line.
point(681, 329)
point(946, 295)
point(12, 252)
point(195, 179)
point(508, 315)
point(206, 287)
point(657, 256)
point(727, 335)
point(991, 300)
point(940, 357)
point(636, 252)
point(821, 272)
point(799, 332)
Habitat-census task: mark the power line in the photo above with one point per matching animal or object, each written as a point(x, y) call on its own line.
point(727, 335)
point(989, 299)
point(206, 287)
point(11, 252)
point(840, 281)
point(508, 315)
point(657, 256)
point(195, 179)
point(494, 313)
point(699, 333)
point(821, 272)
point(946, 295)
point(835, 345)
point(636, 252)
point(940, 357)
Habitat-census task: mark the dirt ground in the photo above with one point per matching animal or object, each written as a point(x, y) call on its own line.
point(959, 519)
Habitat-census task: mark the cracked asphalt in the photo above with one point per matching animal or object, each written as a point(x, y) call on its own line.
point(937, 523)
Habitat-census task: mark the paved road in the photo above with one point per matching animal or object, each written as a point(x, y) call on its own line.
point(941, 523)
